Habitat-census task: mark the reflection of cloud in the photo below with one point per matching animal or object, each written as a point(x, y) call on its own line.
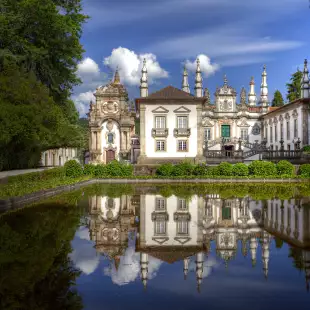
point(84, 254)
point(84, 257)
point(129, 268)
point(209, 264)
point(83, 233)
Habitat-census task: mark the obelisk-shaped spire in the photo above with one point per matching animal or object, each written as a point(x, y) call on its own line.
point(144, 261)
point(117, 79)
point(185, 85)
point(198, 81)
point(264, 89)
point(199, 269)
point(143, 81)
point(252, 95)
point(305, 87)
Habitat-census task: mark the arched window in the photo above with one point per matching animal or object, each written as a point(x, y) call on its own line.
point(110, 137)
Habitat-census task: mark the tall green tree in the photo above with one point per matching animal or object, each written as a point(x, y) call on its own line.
point(44, 37)
point(277, 100)
point(294, 86)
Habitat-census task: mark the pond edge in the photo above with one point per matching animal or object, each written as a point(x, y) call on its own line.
point(16, 202)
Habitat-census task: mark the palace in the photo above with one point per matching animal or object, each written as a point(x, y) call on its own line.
point(176, 229)
point(177, 125)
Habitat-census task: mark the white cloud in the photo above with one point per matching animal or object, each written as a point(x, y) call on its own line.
point(130, 65)
point(88, 67)
point(205, 65)
point(83, 233)
point(82, 101)
point(129, 268)
point(84, 257)
point(209, 264)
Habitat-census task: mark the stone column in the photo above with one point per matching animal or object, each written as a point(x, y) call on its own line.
point(142, 134)
point(199, 156)
point(142, 221)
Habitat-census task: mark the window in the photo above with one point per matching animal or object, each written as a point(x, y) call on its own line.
point(266, 132)
point(281, 131)
point(287, 130)
point(160, 122)
point(270, 133)
point(295, 128)
point(207, 134)
point(160, 204)
point(182, 146)
point(244, 133)
point(160, 227)
point(225, 131)
point(275, 133)
point(226, 213)
point(160, 145)
point(288, 147)
point(271, 147)
point(182, 227)
point(110, 137)
point(182, 122)
point(182, 204)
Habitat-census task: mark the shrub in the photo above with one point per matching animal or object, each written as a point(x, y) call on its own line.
point(89, 169)
point(213, 171)
point(262, 168)
point(73, 169)
point(304, 170)
point(182, 169)
point(225, 169)
point(240, 169)
point(164, 170)
point(100, 171)
point(54, 173)
point(285, 167)
point(200, 170)
point(306, 148)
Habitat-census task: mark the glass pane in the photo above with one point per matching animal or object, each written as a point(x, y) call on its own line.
point(226, 131)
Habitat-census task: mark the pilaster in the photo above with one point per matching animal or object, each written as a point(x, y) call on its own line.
point(142, 133)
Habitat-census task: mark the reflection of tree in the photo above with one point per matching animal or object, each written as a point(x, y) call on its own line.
point(279, 242)
point(296, 255)
point(35, 271)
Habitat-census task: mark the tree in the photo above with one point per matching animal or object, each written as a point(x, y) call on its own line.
point(35, 267)
point(277, 100)
point(43, 37)
point(294, 87)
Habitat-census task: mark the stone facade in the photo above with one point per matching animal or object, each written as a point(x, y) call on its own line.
point(58, 157)
point(111, 123)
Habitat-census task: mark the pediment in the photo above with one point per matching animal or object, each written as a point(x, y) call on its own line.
point(160, 240)
point(182, 240)
point(206, 122)
point(182, 109)
point(160, 110)
point(243, 123)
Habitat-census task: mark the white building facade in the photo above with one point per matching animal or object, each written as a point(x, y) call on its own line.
point(58, 157)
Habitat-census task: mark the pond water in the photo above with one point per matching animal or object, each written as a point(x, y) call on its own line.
point(127, 247)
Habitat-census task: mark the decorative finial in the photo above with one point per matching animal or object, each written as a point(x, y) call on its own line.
point(117, 79)
point(305, 62)
point(264, 67)
point(252, 80)
point(225, 79)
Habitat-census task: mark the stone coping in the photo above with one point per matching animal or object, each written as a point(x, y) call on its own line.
point(17, 202)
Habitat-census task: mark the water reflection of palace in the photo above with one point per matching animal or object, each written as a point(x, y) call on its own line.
point(173, 229)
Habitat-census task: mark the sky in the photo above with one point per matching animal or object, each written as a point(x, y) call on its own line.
point(232, 37)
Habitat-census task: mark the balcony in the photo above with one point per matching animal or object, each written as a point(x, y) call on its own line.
point(160, 132)
point(181, 132)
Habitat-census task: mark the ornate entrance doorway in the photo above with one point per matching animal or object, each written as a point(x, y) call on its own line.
point(110, 155)
point(228, 150)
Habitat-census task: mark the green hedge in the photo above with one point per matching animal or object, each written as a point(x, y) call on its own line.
point(73, 169)
point(240, 169)
point(285, 168)
point(304, 170)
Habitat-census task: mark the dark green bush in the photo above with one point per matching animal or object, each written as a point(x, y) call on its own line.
point(225, 169)
point(54, 173)
point(89, 169)
point(262, 168)
point(304, 170)
point(285, 168)
point(240, 169)
point(182, 169)
point(200, 170)
point(164, 170)
point(213, 171)
point(306, 148)
point(100, 171)
point(73, 169)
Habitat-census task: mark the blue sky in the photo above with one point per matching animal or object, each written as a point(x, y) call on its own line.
point(232, 37)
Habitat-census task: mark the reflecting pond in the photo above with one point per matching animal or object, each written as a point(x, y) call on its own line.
point(142, 247)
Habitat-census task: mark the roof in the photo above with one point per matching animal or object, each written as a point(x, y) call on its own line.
point(170, 92)
point(172, 254)
point(284, 107)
